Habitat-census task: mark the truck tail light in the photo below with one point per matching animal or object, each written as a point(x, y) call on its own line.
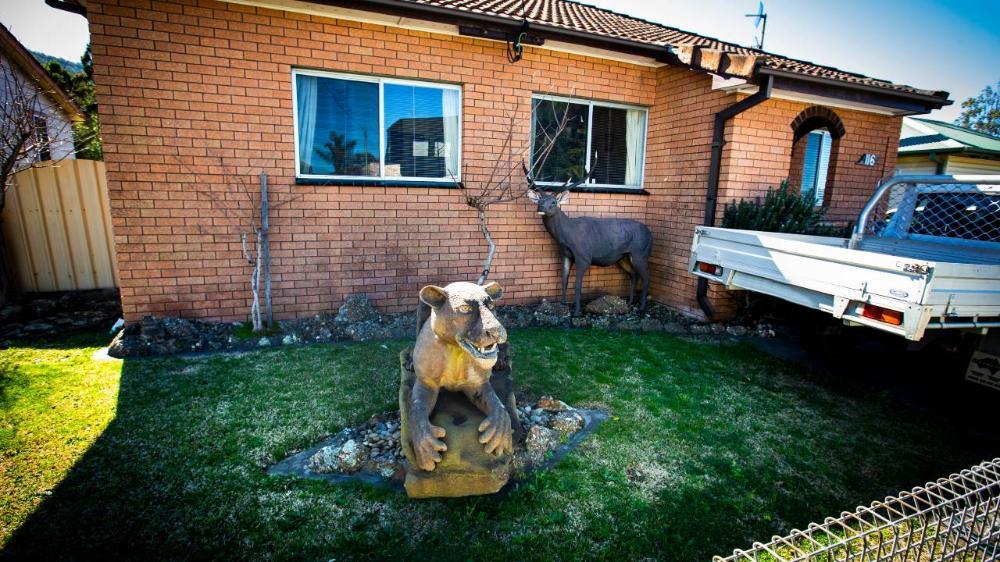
point(893, 317)
point(709, 268)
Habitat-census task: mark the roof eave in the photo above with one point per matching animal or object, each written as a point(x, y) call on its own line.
point(927, 102)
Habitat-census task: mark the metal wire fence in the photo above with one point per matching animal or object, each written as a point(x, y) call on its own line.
point(956, 518)
point(916, 210)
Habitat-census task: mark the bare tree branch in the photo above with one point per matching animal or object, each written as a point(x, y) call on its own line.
point(503, 183)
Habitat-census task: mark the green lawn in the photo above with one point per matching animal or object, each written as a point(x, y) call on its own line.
point(711, 446)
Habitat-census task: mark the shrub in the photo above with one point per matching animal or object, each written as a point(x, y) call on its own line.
point(780, 211)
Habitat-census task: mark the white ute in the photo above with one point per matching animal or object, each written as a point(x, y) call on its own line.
point(924, 255)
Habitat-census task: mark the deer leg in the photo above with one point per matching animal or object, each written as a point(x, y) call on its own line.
point(631, 292)
point(565, 277)
point(581, 270)
point(626, 264)
point(642, 272)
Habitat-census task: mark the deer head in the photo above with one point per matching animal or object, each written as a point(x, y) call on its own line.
point(548, 202)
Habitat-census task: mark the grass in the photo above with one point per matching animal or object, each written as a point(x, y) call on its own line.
point(711, 447)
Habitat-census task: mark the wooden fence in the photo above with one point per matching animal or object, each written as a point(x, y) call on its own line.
point(57, 227)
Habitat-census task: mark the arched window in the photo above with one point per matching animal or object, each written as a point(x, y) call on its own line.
point(817, 132)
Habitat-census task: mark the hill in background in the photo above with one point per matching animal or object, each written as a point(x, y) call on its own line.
point(72, 67)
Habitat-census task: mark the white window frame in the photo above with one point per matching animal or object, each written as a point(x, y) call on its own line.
point(381, 81)
point(590, 124)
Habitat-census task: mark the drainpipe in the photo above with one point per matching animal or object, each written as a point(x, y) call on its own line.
point(712, 197)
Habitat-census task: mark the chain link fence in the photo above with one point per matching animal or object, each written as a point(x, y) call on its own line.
point(956, 518)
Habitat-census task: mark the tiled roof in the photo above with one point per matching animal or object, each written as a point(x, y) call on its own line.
point(577, 17)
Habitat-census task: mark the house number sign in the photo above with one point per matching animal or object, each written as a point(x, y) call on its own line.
point(868, 160)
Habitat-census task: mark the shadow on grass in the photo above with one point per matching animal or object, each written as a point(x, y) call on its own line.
point(712, 446)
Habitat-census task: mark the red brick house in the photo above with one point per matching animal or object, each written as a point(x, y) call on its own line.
point(361, 111)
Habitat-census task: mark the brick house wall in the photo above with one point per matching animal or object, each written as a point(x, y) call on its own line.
point(195, 98)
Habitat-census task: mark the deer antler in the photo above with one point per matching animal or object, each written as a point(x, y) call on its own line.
point(570, 184)
point(532, 186)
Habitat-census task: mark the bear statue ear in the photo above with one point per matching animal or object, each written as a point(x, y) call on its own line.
point(494, 290)
point(434, 297)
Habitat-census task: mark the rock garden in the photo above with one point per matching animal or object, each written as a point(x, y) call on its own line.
point(358, 320)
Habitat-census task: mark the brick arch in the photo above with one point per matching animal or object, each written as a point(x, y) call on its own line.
point(817, 117)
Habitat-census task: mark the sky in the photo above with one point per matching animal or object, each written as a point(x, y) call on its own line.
point(951, 45)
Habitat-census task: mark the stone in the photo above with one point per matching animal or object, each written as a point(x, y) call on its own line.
point(674, 328)
point(540, 441)
point(568, 423)
point(347, 457)
point(736, 331)
point(699, 329)
point(551, 314)
point(466, 468)
point(650, 325)
point(581, 322)
point(608, 305)
point(628, 325)
point(290, 339)
point(263, 342)
point(717, 328)
point(356, 308)
point(551, 404)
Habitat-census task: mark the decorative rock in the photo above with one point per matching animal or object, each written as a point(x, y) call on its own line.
point(568, 422)
point(736, 331)
point(551, 404)
point(290, 339)
point(717, 328)
point(350, 457)
point(608, 305)
point(540, 441)
point(357, 308)
point(674, 328)
point(650, 325)
point(347, 457)
point(699, 329)
point(581, 322)
point(628, 325)
point(263, 342)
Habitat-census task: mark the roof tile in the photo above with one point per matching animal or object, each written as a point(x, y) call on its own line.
point(575, 16)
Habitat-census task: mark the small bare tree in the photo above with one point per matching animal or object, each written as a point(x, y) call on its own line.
point(28, 138)
point(243, 207)
point(505, 182)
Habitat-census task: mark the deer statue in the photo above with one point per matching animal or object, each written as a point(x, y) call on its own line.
point(587, 241)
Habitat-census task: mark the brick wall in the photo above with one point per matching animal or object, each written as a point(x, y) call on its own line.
point(195, 101)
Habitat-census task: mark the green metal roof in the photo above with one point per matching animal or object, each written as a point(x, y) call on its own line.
point(919, 136)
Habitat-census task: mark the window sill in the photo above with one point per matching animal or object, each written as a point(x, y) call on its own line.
point(376, 183)
point(622, 190)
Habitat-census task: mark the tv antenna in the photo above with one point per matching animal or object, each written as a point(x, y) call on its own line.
point(760, 17)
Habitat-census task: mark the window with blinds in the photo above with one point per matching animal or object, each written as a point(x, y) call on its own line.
point(611, 138)
point(816, 165)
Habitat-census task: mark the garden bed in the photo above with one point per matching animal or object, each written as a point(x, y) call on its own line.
point(358, 320)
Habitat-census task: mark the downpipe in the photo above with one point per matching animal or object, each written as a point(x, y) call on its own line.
point(712, 196)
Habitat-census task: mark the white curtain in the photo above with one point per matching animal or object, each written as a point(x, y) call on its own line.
point(307, 92)
point(449, 113)
point(635, 133)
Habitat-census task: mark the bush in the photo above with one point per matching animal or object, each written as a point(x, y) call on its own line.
point(780, 211)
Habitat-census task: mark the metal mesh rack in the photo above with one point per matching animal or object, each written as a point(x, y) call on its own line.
point(954, 518)
point(925, 207)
